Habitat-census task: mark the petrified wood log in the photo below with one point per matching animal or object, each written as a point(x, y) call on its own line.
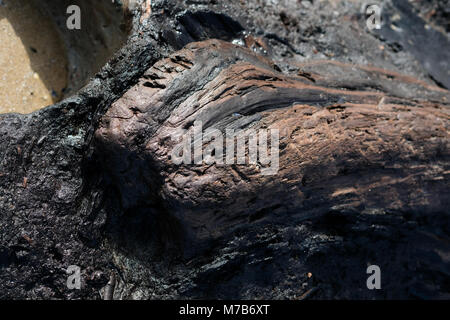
point(362, 176)
point(336, 146)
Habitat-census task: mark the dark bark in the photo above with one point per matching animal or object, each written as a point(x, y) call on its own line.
point(363, 177)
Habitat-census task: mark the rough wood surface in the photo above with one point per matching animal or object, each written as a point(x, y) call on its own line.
point(359, 149)
point(363, 175)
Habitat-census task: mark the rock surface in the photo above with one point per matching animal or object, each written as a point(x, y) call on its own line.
point(362, 179)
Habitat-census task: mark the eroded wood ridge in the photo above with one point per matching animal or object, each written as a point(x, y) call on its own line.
point(336, 145)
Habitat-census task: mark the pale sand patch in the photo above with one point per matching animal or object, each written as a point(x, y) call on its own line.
point(33, 64)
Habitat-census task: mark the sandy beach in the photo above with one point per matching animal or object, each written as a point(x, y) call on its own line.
point(33, 66)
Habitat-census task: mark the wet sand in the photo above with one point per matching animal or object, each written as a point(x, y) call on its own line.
point(33, 63)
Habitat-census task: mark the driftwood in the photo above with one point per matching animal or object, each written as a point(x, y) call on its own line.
point(336, 146)
point(362, 176)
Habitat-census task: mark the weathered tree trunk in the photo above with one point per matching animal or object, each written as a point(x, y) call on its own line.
point(362, 177)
